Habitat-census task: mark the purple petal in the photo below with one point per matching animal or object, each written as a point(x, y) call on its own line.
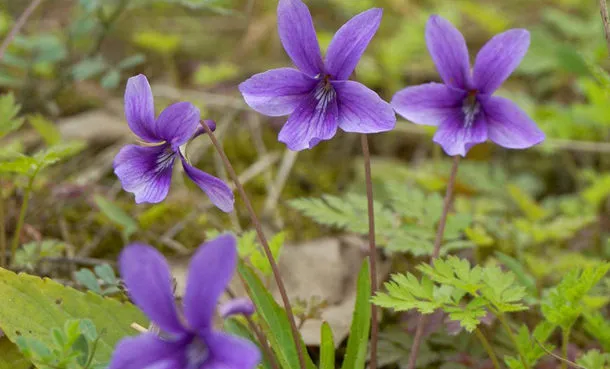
point(147, 351)
point(509, 126)
point(231, 352)
point(145, 171)
point(140, 108)
point(456, 139)
point(349, 43)
point(277, 92)
point(210, 271)
point(361, 109)
point(316, 119)
point(428, 104)
point(499, 58)
point(239, 306)
point(298, 36)
point(149, 283)
point(177, 123)
point(219, 193)
point(449, 52)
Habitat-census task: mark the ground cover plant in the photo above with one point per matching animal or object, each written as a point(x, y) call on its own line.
point(426, 186)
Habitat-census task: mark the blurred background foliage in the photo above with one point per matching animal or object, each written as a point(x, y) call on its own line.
point(540, 212)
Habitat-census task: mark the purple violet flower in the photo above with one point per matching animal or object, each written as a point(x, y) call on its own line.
point(146, 170)
point(318, 96)
point(463, 107)
point(188, 340)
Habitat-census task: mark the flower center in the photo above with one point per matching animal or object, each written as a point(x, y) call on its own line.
point(471, 108)
point(325, 93)
point(165, 159)
point(196, 353)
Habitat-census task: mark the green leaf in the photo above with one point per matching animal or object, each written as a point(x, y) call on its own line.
point(31, 307)
point(209, 75)
point(46, 129)
point(131, 61)
point(9, 109)
point(117, 216)
point(88, 68)
point(598, 327)
point(327, 347)
point(275, 321)
point(593, 359)
point(236, 327)
point(521, 273)
point(11, 358)
point(20, 164)
point(56, 153)
point(88, 279)
point(357, 343)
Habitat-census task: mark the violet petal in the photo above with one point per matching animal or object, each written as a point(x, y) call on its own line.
point(277, 92)
point(428, 104)
point(228, 351)
point(499, 58)
point(238, 306)
point(456, 139)
point(210, 272)
point(298, 36)
point(147, 351)
point(177, 123)
point(449, 52)
point(217, 190)
point(349, 43)
point(509, 126)
point(140, 109)
point(361, 110)
point(149, 283)
point(145, 171)
point(316, 119)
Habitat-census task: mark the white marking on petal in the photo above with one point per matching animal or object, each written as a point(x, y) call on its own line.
point(196, 353)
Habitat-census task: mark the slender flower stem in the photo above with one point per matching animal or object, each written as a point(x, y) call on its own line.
point(259, 231)
point(18, 25)
point(603, 9)
point(509, 330)
point(419, 332)
point(372, 247)
point(2, 230)
point(488, 348)
point(21, 219)
point(565, 340)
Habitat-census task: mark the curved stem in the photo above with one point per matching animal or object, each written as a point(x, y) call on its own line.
point(488, 348)
point(21, 219)
point(18, 25)
point(603, 10)
point(419, 333)
point(509, 330)
point(372, 248)
point(261, 236)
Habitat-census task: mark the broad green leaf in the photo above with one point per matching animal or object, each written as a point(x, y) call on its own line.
point(111, 79)
point(259, 259)
point(46, 129)
point(275, 321)
point(89, 68)
point(594, 359)
point(11, 358)
point(117, 216)
point(357, 343)
point(327, 347)
point(161, 43)
point(132, 61)
point(31, 307)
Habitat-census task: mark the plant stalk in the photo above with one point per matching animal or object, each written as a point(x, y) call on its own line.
point(18, 25)
point(259, 231)
point(372, 248)
point(488, 348)
point(508, 330)
point(565, 340)
point(419, 332)
point(21, 219)
point(2, 229)
point(603, 10)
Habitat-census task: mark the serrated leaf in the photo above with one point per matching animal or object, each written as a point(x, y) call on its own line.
point(9, 109)
point(111, 79)
point(259, 259)
point(32, 307)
